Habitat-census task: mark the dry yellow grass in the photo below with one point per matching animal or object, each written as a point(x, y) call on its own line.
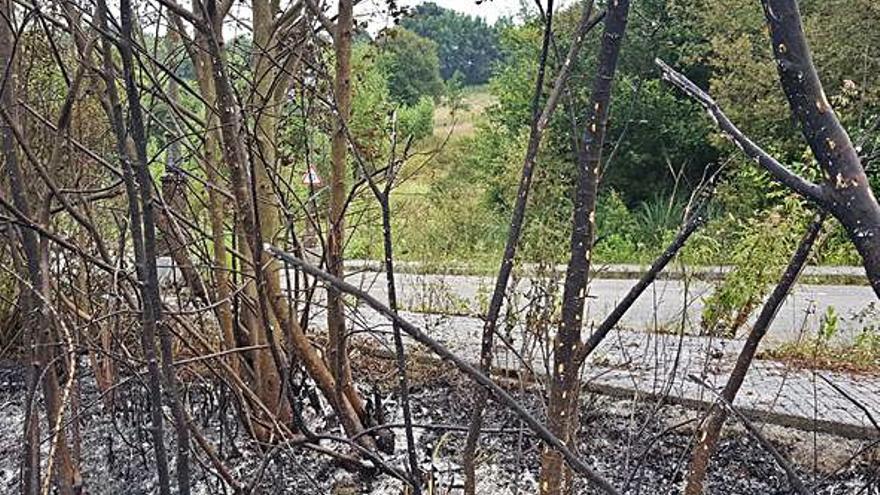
point(461, 123)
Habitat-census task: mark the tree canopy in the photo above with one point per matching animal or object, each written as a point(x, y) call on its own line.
point(411, 65)
point(466, 44)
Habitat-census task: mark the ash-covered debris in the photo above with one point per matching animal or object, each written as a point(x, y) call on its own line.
point(641, 448)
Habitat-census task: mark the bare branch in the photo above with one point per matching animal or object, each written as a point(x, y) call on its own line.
point(780, 459)
point(470, 370)
point(780, 172)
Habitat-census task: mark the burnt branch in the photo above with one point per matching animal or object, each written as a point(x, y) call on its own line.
point(501, 395)
point(754, 152)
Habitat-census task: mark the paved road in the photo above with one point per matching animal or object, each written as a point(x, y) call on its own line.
point(847, 275)
point(639, 361)
point(659, 308)
point(635, 361)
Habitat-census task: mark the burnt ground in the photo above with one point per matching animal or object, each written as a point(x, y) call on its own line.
point(640, 447)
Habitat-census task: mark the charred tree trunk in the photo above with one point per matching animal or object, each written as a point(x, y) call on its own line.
point(847, 193)
point(516, 223)
point(32, 320)
point(540, 120)
point(37, 324)
point(148, 320)
point(400, 351)
point(709, 432)
point(565, 381)
point(146, 222)
point(383, 196)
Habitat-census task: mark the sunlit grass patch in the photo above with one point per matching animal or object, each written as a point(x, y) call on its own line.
point(461, 121)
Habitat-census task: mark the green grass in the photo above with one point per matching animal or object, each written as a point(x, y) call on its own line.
point(825, 351)
point(442, 218)
point(428, 227)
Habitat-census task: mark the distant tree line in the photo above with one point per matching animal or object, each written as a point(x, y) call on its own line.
point(466, 45)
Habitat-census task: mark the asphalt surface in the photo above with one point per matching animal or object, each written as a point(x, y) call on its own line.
point(660, 308)
point(636, 360)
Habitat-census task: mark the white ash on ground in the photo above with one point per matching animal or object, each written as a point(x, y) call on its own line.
point(631, 443)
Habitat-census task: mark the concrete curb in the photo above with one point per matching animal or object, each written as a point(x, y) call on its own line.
point(835, 428)
point(820, 275)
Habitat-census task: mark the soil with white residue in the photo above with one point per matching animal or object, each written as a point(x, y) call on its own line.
point(640, 447)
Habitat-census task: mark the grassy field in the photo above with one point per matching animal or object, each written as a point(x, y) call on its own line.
point(460, 123)
point(425, 229)
point(435, 155)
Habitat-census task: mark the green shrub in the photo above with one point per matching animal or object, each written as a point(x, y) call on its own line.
point(615, 227)
point(824, 351)
point(410, 65)
point(417, 120)
point(658, 217)
point(758, 257)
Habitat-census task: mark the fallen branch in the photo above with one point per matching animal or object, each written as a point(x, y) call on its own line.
point(500, 394)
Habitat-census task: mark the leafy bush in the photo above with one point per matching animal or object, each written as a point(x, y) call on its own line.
point(758, 258)
point(823, 351)
point(466, 44)
point(411, 66)
point(616, 227)
point(416, 121)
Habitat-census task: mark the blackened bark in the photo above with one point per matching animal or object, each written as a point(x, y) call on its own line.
point(486, 344)
point(400, 351)
point(848, 194)
point(564, 384)
point(32, 312)
point(780, 172)
point(383, 197)
point(540, 121)
point(849, 200)
point(845, 193)
point(711, 428)
point(153, 308)
point(148, 314)
point(781, 460)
